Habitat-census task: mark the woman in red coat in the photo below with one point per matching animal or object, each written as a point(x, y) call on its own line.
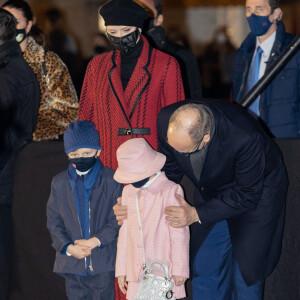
point(124, 89)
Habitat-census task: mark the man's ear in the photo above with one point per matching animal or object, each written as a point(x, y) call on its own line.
point(159, 20)
point(206, 138)
point(277, 14)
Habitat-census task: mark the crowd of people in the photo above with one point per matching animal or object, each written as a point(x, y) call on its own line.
point(140, 125)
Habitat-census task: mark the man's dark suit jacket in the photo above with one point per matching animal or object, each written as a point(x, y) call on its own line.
point(243, 181)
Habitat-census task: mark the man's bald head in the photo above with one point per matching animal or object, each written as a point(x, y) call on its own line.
point(191, 119)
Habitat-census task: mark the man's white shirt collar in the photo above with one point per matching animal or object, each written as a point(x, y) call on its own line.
point(266, 46)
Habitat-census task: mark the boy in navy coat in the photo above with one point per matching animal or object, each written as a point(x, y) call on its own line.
point(80, 217)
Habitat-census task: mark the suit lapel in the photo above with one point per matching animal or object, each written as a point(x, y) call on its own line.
point(115, 83)
point(139, 80)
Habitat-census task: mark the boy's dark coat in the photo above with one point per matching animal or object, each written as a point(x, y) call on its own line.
point(64, 227)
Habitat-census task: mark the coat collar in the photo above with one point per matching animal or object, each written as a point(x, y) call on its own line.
point(137, 84)
point(34, 53)
point(155, 187)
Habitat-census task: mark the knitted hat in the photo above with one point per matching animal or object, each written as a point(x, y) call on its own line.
point(137, 161)
point(123, 13)
point(81, 134)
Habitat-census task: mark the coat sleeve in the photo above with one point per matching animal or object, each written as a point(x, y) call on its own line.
point(247, 188)
point(180, 240)
point(121, 260)
point(55, 222)
point(86, 103)
point(172, 87)
point(8, 111)
point(109, 231)
point(61, 88)
point(191, 74)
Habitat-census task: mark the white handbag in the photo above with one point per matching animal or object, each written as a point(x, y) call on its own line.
point(151, 286)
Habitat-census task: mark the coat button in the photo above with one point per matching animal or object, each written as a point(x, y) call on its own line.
point(202, 188)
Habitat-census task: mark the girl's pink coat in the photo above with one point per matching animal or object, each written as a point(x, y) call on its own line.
point(163, 242)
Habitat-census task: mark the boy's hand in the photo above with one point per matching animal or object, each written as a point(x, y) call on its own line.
point(79, 251)
point(90, 243)
point(122, 284)
point(179, 280)
point(120, 211)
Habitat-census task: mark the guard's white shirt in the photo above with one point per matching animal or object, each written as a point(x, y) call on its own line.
point(266, 46)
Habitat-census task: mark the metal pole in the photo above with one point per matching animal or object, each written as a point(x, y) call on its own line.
point(278, 65)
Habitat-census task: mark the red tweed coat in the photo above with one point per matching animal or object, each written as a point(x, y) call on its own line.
point(155, 82)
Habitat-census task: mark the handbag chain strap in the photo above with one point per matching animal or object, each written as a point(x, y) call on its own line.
point(141, 227)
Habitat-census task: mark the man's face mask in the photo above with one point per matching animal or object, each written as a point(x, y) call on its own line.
point(156, 35)
point(259, 25)
point(83, 164)
point(125, 44)
point(140, 183)
point(21, 35)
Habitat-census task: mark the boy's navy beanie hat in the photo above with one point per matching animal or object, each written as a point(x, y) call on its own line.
point(81, 134)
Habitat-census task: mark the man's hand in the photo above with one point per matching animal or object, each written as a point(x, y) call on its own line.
point(90, 243)
point(183, 215)
point(79, 251)
point(122, 284)
point(179, 280)
point(120, 211)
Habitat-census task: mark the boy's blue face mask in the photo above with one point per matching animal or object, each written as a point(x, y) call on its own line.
point(140, 183)
point(83, 164)
point(259, 25)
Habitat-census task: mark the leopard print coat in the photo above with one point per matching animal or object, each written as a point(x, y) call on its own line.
point(59, 103)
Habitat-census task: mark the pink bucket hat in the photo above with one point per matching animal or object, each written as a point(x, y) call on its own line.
point(137, 161)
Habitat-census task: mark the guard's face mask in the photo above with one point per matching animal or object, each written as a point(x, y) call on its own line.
point(127, 43)
point(259, 25)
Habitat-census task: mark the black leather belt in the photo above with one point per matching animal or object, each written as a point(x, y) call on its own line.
point(134, 131)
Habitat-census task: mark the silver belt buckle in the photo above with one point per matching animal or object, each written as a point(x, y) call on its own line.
point(128, 131)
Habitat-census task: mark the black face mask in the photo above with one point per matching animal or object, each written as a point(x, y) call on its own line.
point(125, 44)
point(140, 183)
point(83, 164)
point(21, 35)
point(157, 37)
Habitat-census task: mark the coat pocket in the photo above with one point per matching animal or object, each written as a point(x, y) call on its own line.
point(284, 86)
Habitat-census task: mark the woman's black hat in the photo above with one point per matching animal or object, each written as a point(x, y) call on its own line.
point(124, 13)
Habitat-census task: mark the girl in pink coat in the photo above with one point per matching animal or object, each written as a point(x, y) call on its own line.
point(140, 165)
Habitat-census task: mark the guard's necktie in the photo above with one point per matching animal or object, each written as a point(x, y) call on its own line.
point(253, 78)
